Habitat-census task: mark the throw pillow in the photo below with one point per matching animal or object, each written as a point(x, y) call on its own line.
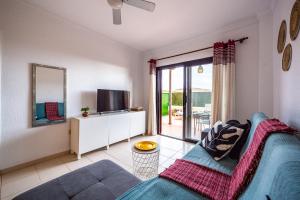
point(222, 138)
point(40, 111)
point(211, 134)
point(61, 109)
point(237, 148)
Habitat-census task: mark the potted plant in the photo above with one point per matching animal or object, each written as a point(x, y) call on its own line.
point(85, 112)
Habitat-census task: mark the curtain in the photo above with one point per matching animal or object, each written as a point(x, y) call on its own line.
point(152, 128)
point(223, 89)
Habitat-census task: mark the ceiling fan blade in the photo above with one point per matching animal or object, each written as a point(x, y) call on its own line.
point(146, 5)
point(117, 16)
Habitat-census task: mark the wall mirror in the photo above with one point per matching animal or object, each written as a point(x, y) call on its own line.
point(48, 95)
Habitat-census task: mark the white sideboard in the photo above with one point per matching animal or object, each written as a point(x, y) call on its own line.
point(97, 131)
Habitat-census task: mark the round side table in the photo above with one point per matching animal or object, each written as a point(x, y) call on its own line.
point(145, 163)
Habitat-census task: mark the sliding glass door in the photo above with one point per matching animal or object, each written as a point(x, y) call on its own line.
point(184, 99)
point(198, 105)
point(172, 102)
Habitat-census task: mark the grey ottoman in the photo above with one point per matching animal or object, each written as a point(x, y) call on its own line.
point(103, 180)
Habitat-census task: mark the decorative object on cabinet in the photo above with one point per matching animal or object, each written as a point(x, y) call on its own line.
point(135, 109)
point(281, 37)
point(287, 58)
point(85, 111)
point(295, 20)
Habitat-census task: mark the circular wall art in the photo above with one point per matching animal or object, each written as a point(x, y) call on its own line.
point(295, 21)
point(281, 37)
point(287, 58)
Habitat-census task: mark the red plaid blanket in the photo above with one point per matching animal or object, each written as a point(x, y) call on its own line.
point(52, 111)
point(219, 186)
point(210, 183)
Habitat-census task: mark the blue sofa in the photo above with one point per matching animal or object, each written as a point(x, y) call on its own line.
point(278, 173)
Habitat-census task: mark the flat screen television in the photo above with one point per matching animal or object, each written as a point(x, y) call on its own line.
point(112, 100)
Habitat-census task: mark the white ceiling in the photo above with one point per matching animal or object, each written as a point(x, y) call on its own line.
point(172, 20)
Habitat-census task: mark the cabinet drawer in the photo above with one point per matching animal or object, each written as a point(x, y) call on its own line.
point(93, 133)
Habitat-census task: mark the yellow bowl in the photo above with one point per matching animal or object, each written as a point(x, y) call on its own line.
point(145, 145)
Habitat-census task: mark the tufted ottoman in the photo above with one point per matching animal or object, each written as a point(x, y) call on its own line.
point(103, 180)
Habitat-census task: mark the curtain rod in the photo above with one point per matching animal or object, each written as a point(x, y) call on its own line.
point(241, 40)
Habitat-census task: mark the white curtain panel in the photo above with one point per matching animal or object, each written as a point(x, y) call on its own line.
point(152, 126)
point(223, 91)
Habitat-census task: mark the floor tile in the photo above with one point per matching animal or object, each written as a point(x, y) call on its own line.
point(51, 169)
point(187, 147)
point(168, 163)
point(161, 169)
point(167, 152)
point(124, 156)
point(163, 159)
point(73, 163)
point(15, 175)
point(172, 144)
point(101, 155)
point(178, 155)
point(20, 185)
point(97, 156)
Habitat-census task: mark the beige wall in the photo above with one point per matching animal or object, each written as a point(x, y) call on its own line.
point(265, 63)
point(0, 90)
point(286, 84)
point(92, 60)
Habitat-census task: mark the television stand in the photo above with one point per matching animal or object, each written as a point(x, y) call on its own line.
point(113, 112)
point(98, 131)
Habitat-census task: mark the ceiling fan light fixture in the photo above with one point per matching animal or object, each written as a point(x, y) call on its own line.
point(200, 69)
point(115, 4)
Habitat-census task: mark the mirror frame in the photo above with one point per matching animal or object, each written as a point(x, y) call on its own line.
point(34, 67)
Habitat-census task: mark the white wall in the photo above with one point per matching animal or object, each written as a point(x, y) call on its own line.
point(92, 61)
point(0, 90)
point(49, 85)
point(265, 63)
point(286, 84)
point(249, 97)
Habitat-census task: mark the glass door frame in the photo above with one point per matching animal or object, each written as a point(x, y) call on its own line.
point(187, 66)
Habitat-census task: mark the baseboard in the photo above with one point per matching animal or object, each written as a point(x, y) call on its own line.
point(33, 162)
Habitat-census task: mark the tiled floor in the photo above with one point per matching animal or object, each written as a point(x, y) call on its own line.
point(19, 181)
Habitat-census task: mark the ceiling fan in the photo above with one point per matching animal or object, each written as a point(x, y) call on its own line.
point(117, 5)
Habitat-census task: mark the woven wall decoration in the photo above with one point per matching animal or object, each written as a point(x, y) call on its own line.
point(287, 58)
point(295, 20)
point(281, 37)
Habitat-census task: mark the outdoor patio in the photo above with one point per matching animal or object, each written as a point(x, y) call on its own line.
point(175, 128)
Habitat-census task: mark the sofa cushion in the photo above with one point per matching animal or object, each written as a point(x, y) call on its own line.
point(255, 120)
point(103, 180)
point(199, 155)
point(61, 109)
point(97, 191)
point(76, 182)
point(237, 148)
point(278, 172)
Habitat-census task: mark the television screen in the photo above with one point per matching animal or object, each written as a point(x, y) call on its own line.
point(112, 100)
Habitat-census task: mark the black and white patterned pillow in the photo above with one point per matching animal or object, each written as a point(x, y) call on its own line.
point(223, 137)
point(237, 148)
